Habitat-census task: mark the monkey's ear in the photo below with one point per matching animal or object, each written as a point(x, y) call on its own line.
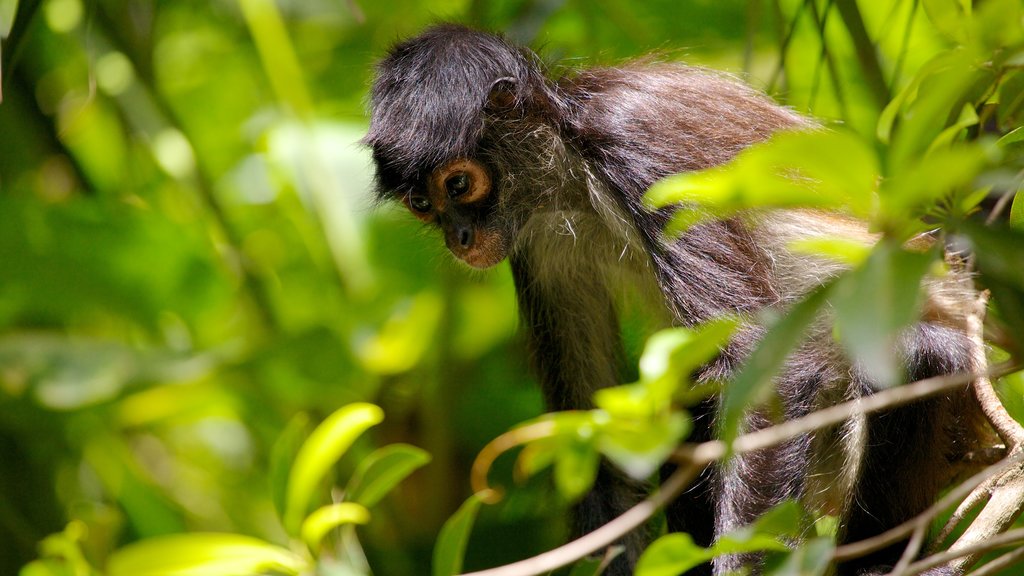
point(502, 96)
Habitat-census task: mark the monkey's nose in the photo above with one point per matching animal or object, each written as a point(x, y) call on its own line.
point(465, 237)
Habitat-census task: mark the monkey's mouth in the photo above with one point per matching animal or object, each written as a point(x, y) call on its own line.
point(481, 259)
point(486, 251)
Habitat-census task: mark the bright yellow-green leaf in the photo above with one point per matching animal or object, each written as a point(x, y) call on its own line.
point(8, 10)
point(640, 447)
point(325, 446)
point(317, 524)
point(843, 250)
point(404, 338)
point(823, 169)
point(951, 17)
point(1015, 136)
point(1017, 210)
point(203, 554)
point(575, 469)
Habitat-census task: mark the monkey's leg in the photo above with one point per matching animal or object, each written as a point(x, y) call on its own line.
point(752, 483)
point(573, 332)
point(693, 510)
point(911, 451)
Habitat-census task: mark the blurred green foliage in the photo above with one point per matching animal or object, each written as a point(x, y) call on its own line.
point(193, 270)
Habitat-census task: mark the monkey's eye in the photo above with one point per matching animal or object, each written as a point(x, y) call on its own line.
point(457, 185)
point(419, 204)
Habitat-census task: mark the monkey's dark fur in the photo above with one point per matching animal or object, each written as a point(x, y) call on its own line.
point(469, 131)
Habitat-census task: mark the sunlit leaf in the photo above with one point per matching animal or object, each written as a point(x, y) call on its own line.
point(640, 448)
point(382, 470)
point(8, 10)
point(404, 338)
point(1017, 210)
point(203, 554)
point(277, 53)
point(845, 250)
point(968, 117)
point(951, 17)
point(576, 466)
point(318, 454)
point(1014, 137)
point(1011, 99)
point(824, 169)
point(812, 558)
point(921, 183)
point(671, 555)
point(874, 303)
point(671, 356)
point(325, 519)
point(450, 549)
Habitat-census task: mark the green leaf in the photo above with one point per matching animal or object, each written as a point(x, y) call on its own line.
point(8, 11)
point(639, 448)
point(758, 373)
point(318, 454)
point(1014, 137)
point(823, 169)
point(203, 554)
point(451, 542)
point(536, 456)
point(405, 337)
point(1011, 100)
point(950, 17)
point(874, 303)
point(1017, 210)
point(671, 555)
point(844, 250)
point(671, 356)
point(576, 468)
point(382, 470)
point(282, 455)
point(324, 519)
point(812, 558)
point(918, 185)
point(968, 117)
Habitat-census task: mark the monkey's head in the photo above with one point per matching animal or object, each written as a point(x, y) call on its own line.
point(432, 103)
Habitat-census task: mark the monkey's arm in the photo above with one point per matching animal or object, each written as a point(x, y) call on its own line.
point(572, 327)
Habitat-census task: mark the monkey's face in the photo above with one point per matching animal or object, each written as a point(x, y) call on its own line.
point(458, 197)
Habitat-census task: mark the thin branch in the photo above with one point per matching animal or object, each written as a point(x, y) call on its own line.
point(866, 54)
point(882, 400)
point(1000, 564)
point(603, 536)
point(1010, 538)
point(893, 535)
point(507, 441)
point(1005, 426)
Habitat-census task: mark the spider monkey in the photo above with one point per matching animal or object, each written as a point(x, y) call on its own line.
point(471, 133)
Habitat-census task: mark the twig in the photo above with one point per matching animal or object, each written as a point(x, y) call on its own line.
point(866, 546)
point(603, 536)
point(975, 549)
point(882, 400)
point(1005, 493)
point(507, 441)
point(1001, 563)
